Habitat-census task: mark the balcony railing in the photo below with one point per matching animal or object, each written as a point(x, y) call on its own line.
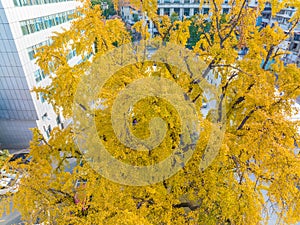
point(178, 2)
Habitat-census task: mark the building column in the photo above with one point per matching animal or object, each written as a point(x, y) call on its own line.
point(162, 11)
point(181, 13)
point(191, 11)
point(171, 11)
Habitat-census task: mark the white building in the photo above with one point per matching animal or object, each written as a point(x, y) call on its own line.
point(294, 47)
point(127, 12)
point(25, 25)
point(188, 8)
point(181, 7)
point(292, 44)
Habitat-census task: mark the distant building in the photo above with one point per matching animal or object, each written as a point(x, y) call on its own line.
point(188, 8)
point(266, 15)
point(24, 26)
point(292, 43)
point(183, 8)
point(127, 12)
point(283, 17)
point(294, 48)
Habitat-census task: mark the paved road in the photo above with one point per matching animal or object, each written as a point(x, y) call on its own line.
point(10, 219)
point(13, 218)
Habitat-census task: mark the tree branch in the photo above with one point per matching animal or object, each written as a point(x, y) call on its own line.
point(218, 23)
point(235, 22)
point(233, 67)
point(248, 117)
point(187, 205)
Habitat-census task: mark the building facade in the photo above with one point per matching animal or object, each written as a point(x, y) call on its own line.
point(294, 47)
point(24, 26)
point(188, 8)
point(292, 44)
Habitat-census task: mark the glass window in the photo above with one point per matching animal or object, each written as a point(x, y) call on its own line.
point(31, 54)
point(205, 10)
point(167, 11)
point(36, 2)
point(25, 2)
point(17, 3)
point(33, 49)
point(32, 28)
point(39, 75)
point(25, 29)
point(297, 37)
point(58, 19)
point(42, 23)
point(177, 11)
point(70, 16)
point(43, 74)
point(47, 131)
point(58, 120)
point(63, 18)
point(42, 97)
point(38, 78)
point(44, 117)
point(46, 22)
point(186, 12)
point(225, 11)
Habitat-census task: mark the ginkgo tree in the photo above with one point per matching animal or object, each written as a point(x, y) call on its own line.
point(257, 170)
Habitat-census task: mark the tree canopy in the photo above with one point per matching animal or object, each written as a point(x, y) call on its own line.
point(257, 169)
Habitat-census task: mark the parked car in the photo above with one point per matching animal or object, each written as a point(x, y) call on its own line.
point(9, 176)
point(4, 182)
point(9, 182)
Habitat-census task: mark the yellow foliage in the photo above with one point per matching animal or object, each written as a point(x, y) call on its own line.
point(256, 167)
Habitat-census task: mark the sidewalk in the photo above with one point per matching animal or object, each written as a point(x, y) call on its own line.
point(12, 218)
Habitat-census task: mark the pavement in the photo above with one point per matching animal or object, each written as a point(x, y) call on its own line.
point(12, 218)
point(15, 217)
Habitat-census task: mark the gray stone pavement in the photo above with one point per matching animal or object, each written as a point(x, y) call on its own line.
point(11, 219)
